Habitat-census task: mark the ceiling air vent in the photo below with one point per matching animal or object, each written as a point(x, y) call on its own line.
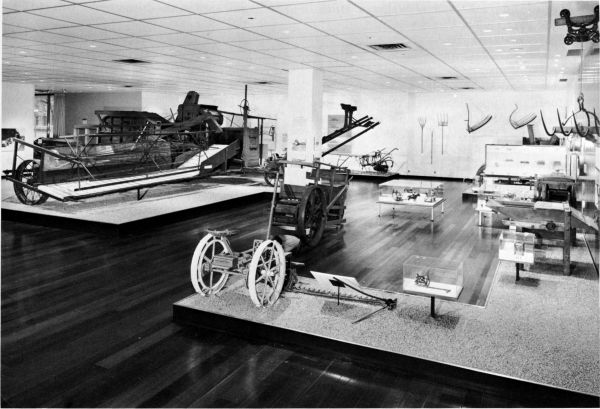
point(389, 47)
point(447, 78)
point(467, 88)
point(562, 80)
point(573, 52)
point(127, 86)
point(264, 83)
point(132, 61)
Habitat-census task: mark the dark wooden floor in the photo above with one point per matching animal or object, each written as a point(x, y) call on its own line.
point(86, 319)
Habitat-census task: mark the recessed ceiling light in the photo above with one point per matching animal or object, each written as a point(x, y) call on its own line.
point(513, 40)
point(508, 29)
point(286, 31)
point(499, 49)
point(228, 63)
point(354, 57)
point(41, 80)
point(476, 69)
point(557, 55)
point(487, 30)
point(22, 52)
point(93, 45)
point(504, 15)
point(519, 56)
point(447, 43)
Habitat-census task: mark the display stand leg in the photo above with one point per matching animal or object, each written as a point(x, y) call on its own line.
point(432, 214)
point(379, 211)
point(479, 218)
point(338, 295)
point(567, 244)
point(517, 267)
point(433, 307)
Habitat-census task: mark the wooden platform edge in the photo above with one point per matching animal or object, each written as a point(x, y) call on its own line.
point(130, 228)
point(537, 395)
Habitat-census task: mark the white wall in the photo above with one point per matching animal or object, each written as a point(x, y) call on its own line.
point(463, 152)
point(83, 105)
point(399, 112)
point(18, 103)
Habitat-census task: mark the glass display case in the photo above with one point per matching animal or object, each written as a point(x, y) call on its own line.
point(432, 277)
point(517, 247)
point(408, 192)
point(411, 190)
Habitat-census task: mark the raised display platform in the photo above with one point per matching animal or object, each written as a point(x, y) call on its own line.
point(123, 213)
point(542, 331)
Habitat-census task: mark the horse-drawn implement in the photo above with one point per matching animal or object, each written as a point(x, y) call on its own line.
point(267, 267)
point(133, 150)
point(308, 210)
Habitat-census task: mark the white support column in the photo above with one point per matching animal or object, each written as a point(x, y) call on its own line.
point(305, 113)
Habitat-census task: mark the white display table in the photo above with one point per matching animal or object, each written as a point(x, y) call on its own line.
point(407, 192)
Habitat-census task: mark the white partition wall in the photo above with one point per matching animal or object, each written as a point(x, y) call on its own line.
point(305, 113)
point(18, 103)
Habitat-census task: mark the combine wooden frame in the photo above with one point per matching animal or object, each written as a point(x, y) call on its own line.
point(310, 209)
point(140, 164)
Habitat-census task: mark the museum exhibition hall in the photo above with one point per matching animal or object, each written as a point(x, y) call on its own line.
point(300, 203)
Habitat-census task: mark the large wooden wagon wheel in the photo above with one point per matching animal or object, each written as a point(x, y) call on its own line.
point(205, 280)
point(266, 273)
point(28, 172)
point(312, 216)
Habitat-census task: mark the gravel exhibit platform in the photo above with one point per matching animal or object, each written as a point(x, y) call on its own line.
point(120, 209)
point(542, 329)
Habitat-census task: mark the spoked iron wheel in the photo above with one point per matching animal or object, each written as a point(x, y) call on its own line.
point(312, 216)
point(270, 177)
point(28, 172)
point(205, 280)
point(266, 273)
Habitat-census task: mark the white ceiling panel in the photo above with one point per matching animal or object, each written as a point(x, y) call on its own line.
point(32, 21)
point(180, 39)
point(135, 28)
point(255, 39)
point(189, 24)
point(351, 26)
point(138, 9)
point(85, 33)
point(264, 44)
point(510, 12)
point(211, 6)
point(8, 29)
point(392, 8)
point(80, 15)
point(94, 45)
point(380, 37)
point(45, 37)
point(23, 5)
point(323, 11)
point(215, 48)
point(231, 35)
point(283, 32)
point(252, 18)
point(424, 21)
point(134, 42)
point(17, 42)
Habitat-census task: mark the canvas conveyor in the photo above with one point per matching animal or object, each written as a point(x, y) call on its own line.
point(215, 156)
point(29, 177)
